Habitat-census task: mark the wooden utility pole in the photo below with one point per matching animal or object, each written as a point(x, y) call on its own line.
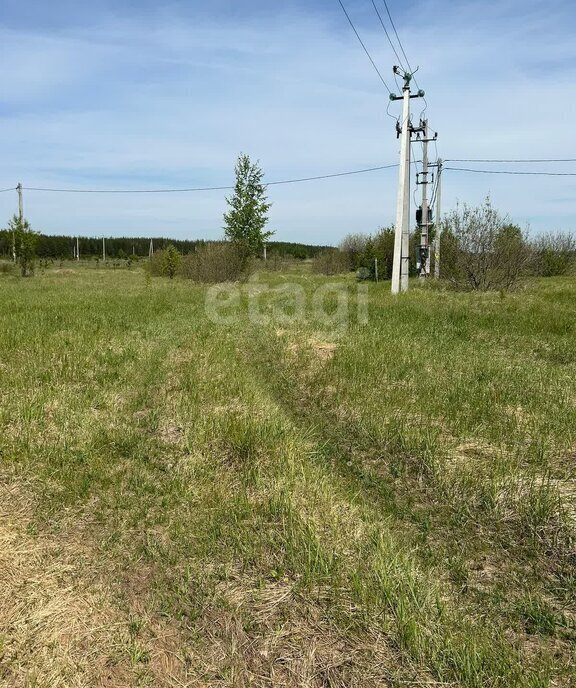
point(438, 220)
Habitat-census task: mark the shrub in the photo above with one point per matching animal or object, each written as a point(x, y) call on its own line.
point(330, 262)
point(165, 263)
point(275, 262)
point(212, 263)
point(555, 254)
point(482, 250)
point(354, 248)
point(25, 240)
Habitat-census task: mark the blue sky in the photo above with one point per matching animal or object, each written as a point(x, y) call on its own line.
point(142, 94)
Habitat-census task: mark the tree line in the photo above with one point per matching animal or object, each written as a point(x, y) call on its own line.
point(61, 247)
point(480, 248)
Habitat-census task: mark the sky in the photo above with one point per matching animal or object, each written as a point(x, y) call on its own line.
point(135, 94)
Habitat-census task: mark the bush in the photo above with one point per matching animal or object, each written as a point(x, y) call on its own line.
point(165, 263)
point(330, 262)
point(6, 268)
point(354, 247)
point(212, 263)
point(482, 250)
point(555, 254)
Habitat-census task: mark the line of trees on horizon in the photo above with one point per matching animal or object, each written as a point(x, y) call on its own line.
point(58, 247)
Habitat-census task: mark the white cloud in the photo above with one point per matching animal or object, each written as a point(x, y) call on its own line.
point(133, 104)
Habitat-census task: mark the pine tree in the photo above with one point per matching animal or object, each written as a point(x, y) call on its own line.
point(170, 261)
point(25, 240)
point(245, 221)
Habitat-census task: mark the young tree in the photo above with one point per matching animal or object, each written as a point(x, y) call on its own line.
point(25, 240)
point(354, 247)
point(244, 223)
point(384, 251)
point(482, 250)
point(170, 261)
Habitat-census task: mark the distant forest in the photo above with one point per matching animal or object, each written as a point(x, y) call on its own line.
point(62, 247)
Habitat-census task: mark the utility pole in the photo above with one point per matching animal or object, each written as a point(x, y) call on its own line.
point(425, 224)
point(103, 250)
point(424, 213)
point(20, 202)
point(401, 262)
point(438, 221)
point(20, 218)
point(77, 248)
point(151, 250)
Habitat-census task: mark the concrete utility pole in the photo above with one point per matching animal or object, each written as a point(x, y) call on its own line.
point(77, 248)
point(20, 218)
point(103, 249)
point(438, 220)
point(425, 219)
point(424, 213)
point(401, 262)
point(399, 266)
point(20, 202)
point(151, 249)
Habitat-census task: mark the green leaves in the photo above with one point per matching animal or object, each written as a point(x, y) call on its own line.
point(244, 223)
point(24, 242)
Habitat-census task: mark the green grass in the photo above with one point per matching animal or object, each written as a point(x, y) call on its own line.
point(396, 494)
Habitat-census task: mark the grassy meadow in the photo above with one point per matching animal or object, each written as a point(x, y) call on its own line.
point(386, 498)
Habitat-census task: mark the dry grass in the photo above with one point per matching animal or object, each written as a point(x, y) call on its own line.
point(58, 626)
point(272, 635)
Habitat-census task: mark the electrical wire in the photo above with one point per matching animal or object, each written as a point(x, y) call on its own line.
point(388, 36)
point(405, 57)
point(416, 172)
point(398, 39)
point(209, 188)
point(434, 191)
point(525, 160)
point(11, 189)
point(365, 48)
point(541, 174)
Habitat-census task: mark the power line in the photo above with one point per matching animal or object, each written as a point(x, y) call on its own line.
point(388, 35)
point(365, 48)
point(210, 188)
point(541, 174)
point(13, 188)
point(405, 56)
point(398, 39)
point(504, 161)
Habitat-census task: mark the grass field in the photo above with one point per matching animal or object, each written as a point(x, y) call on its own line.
point(326, 502)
